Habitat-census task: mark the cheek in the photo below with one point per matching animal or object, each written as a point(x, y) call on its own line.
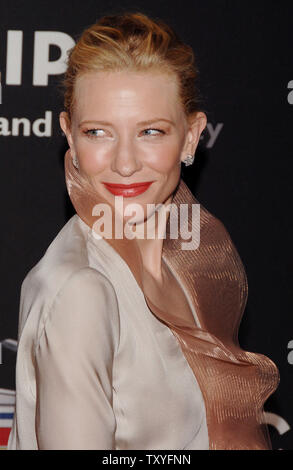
point(166, 160)
point(92, 160)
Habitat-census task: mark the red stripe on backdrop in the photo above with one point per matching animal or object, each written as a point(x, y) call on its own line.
point(4, 435)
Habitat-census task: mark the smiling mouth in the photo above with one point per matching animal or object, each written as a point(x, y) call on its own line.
point(127, 190)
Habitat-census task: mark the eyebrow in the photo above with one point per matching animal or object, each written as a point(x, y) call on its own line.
point(142, 123)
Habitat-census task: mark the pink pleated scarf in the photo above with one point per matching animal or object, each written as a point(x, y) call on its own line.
point(235, 383)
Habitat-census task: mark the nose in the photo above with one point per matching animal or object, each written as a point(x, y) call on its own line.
point(125, 160)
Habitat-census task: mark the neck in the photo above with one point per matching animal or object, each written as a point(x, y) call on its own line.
point(151, 248)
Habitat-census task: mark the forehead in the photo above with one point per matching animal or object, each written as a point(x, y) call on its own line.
point(148, 92)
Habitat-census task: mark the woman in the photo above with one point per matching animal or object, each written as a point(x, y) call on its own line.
point(128, 341)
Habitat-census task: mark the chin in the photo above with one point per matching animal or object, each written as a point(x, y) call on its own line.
point(136, 218)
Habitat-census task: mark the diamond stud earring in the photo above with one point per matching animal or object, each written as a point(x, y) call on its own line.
point(75, 162)
point(189, 160)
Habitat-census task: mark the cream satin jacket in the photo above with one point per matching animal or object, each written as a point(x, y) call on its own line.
point(95, 368)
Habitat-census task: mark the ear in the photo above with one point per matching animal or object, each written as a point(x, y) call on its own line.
point(64, 122)
point(196, 125)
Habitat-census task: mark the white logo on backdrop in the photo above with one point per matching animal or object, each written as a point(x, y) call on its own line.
point(41, 127)
point(279, 423)
point(290, 96)
point(290, 355)
point(42, 66)
point(10, 344)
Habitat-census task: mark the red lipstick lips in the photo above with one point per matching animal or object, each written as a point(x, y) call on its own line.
point(128, 190)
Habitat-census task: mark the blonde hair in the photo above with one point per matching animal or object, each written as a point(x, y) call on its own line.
point(135, 42)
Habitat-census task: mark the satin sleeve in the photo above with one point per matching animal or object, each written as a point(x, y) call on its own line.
point(74, 361)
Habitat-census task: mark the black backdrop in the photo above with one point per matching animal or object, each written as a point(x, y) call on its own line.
point(242, 173)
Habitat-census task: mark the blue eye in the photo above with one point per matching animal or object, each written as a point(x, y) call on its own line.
point(157, 130)
point(92, 132)
point(96, 132)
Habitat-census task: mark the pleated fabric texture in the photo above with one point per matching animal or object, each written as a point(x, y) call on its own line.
point(235, 383)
